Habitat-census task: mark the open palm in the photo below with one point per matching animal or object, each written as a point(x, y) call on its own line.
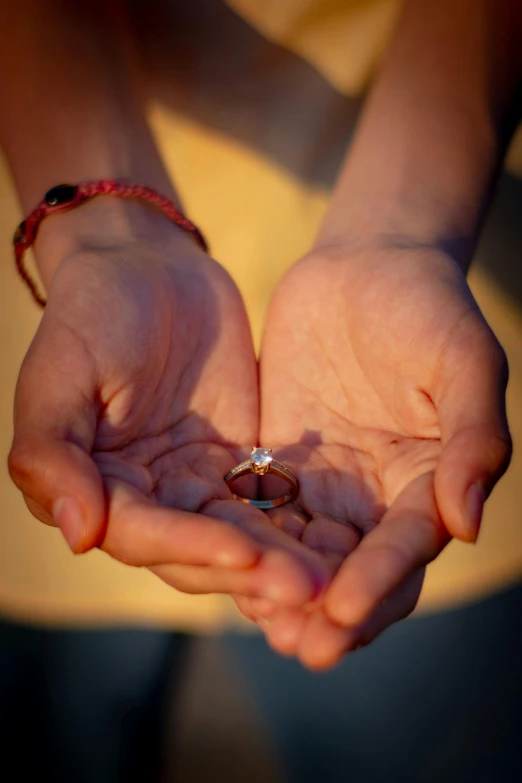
point(138, 394)
point(383, 388)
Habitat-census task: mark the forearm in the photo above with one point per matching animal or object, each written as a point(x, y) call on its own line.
point(71, 110)
point(435, 128)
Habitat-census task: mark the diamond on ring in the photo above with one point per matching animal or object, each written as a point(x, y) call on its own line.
point(261, 460)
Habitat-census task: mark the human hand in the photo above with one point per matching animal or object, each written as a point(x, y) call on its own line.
point(137, 395)
point(383, 389)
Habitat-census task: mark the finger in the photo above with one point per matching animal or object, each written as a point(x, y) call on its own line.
point(282, 627)
point(54, 429)
point(141, 533)
point(254, 609)
point(397, 607)
point(324, 643)
point(276, 574)
point(409, 536)
point(260, 607)
point(257, 525)
point(475, 438)
point(332, 539)
point(290, 520)
point(283, 630)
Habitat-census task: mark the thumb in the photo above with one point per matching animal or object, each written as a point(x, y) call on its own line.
point(475, 437)
point(54, 430)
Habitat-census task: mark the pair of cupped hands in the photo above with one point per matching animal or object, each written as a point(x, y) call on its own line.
point(379, 384)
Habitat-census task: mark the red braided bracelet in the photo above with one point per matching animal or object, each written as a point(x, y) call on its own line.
point(63, 197)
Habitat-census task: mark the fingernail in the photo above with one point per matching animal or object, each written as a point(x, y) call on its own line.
point(239, 557)
point(225, 559)
point(474, 507)
point(272, 593)
point(67, 514)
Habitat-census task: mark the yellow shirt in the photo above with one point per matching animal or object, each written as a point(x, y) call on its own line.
point(253, 104)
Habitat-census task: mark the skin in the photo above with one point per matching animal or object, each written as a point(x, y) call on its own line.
point(381, 385)
point(387, 388)
point(126, 443)
point(393, 419)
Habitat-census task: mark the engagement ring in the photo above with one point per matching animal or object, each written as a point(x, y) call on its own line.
point(261, 462)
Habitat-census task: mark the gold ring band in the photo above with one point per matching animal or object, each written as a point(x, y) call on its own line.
point(260, 463)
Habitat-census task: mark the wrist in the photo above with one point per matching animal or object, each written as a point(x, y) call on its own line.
point(431, 139)
point(407, 192)
point(376, 226)
point(103, 223)
point(373, 261)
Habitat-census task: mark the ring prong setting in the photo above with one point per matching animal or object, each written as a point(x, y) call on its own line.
point(261, 460)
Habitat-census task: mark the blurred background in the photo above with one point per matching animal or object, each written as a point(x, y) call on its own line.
point(253, 111)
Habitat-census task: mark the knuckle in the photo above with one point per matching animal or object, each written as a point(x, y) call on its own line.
point(119, 548)
point(39, 512)
point(500, 449)
point(396, 557)
point(431, 537)
point(22, 464)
